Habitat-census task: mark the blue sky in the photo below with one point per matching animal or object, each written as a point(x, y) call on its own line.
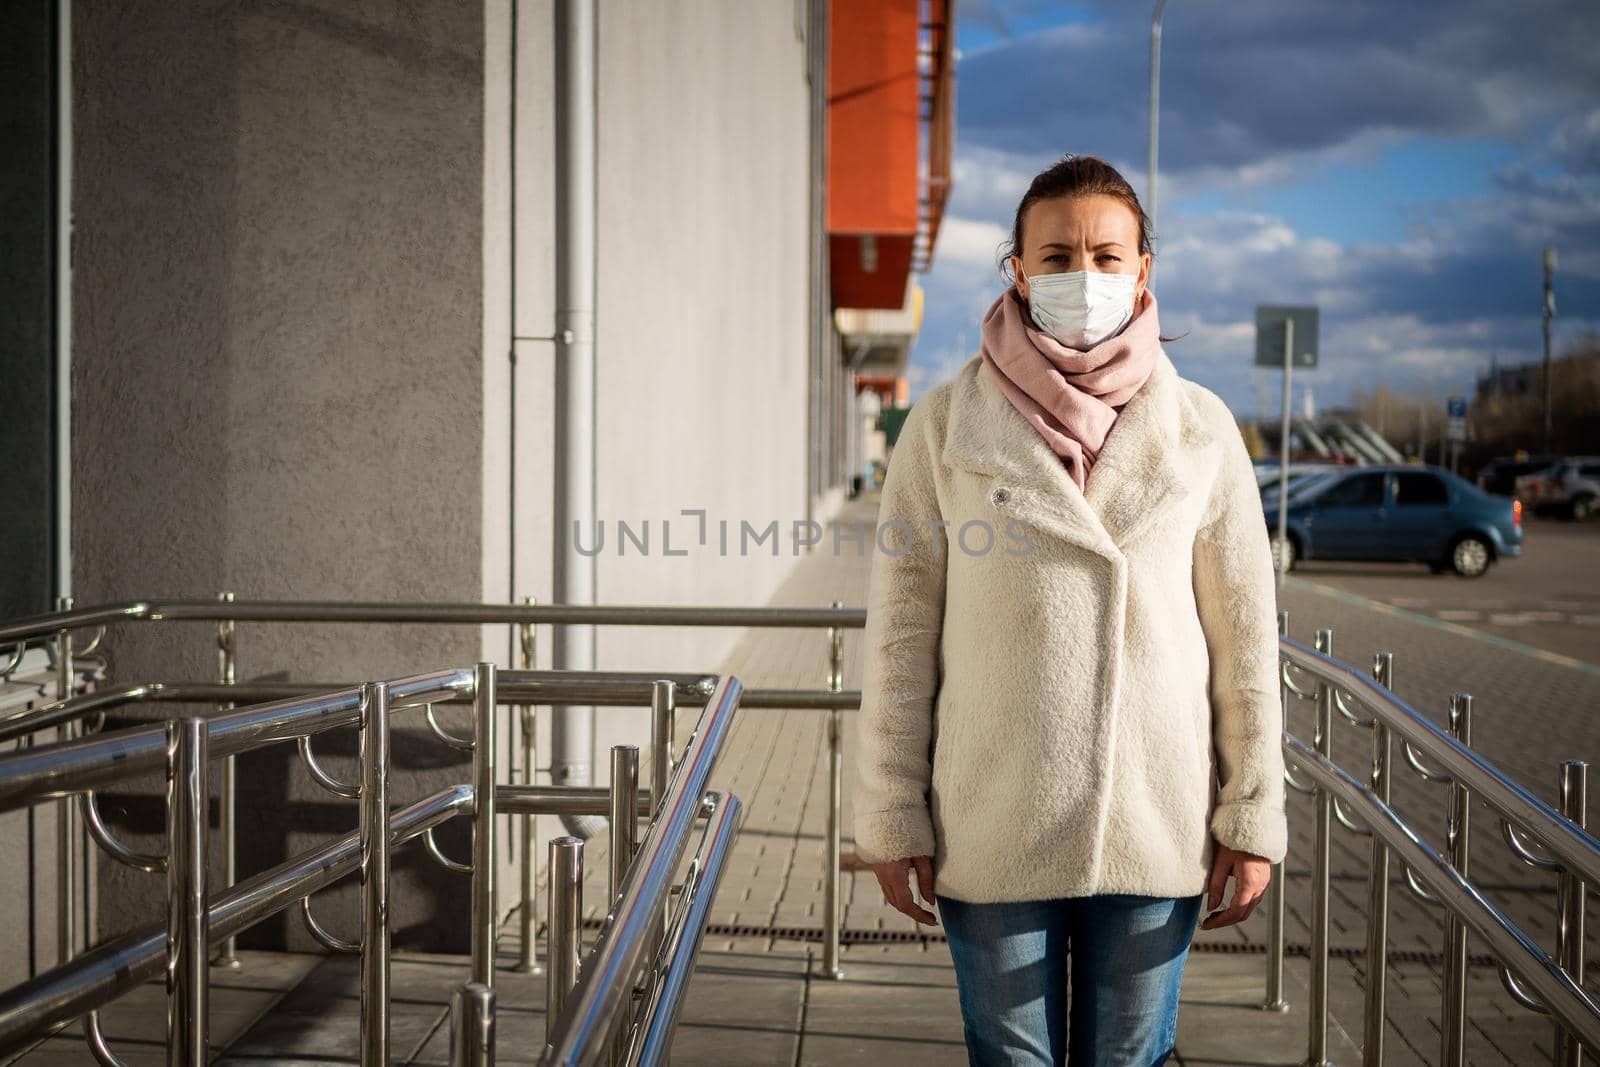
point(1399, 163)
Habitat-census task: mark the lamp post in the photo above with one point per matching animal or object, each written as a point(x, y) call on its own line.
point(1549, 313)
point(1155, 101)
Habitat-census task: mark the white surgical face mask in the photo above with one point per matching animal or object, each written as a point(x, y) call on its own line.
point(1081, 308)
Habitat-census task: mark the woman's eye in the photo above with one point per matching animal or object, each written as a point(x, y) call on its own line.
point(1052, 259)
point(1107, 257)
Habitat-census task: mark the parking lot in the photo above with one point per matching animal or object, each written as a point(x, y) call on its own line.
point(1548, 598)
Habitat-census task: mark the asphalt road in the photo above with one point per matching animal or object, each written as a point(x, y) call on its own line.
point(1548, 598)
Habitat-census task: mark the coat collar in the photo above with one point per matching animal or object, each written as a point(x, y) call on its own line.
point(1149, 463)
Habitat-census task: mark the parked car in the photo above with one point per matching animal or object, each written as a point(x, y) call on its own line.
point(1304, 482)
point(1267, 472)
point(1300, 475)
point(1500, 474)
point(1400, 512)
point(1570, 487)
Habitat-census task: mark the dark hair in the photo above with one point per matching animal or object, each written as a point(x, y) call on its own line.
point(1075, 176)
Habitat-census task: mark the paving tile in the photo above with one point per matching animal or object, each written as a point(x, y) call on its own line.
point(1221, 1019)
point(333, 1030)
point(519, 1038)
point(743, 1006)
point(897, 1004)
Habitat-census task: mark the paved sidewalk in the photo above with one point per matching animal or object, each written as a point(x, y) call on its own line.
point(758, 996)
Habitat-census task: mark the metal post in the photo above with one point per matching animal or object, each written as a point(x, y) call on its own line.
point(374, 803)
point(624, 813)
point(624, 817)
point(527, 962)
point(1320, 869)
point(1548, 314)
point(830, 919)
point(1283, 455)
point(1275, 896)
point(188, 929)
point(663, 714)
point(1570, 894)
point(1453, 1016)
point(563, 925)
point(484, 773)
point(472, 1026)
point(1155, 102)
point(1378, 882)
point(66, 858)
point(227, 829)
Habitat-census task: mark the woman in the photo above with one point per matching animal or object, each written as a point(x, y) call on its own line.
point(1070, 725)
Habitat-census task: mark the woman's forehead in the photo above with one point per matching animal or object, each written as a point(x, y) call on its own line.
point(1078, 219)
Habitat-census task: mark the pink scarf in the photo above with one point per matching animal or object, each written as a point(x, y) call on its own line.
point(1071, 397)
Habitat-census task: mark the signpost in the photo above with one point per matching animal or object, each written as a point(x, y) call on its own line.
point(1286, 336)
point(1455, 428)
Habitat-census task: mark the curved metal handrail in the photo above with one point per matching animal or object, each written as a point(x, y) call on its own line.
point(102, 835)
point(1284, 672)
point(1346, 821)
point(1416, 765)
point(1416, 888)
point(98, 1046)
point(329, 940)
point(15, 660)
point(1520, 995)
point(444, 861)
point(94, 642)
point(322, 777)
point(465, 744)
point(1339, 703)
point(1293, 783)
point(1522, 851)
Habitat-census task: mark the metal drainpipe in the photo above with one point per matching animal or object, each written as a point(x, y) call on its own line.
point(572, 727)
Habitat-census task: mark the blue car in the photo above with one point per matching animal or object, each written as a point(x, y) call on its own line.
point(1400, 513)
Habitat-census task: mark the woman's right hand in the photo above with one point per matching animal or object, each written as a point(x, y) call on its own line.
point(894, 877)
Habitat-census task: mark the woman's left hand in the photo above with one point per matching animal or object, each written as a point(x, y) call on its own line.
point(1251, 874)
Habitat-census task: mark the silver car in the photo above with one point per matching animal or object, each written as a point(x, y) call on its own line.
point(1569, 486)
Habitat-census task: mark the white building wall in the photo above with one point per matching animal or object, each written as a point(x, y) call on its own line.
point(701, 318)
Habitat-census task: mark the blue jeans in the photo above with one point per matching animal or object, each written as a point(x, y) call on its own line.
point(1127, 955)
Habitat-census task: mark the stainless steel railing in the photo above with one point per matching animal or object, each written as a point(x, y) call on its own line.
point(604, 1027)
point(1537, 979)
point(226, 612)
point(1546, 982)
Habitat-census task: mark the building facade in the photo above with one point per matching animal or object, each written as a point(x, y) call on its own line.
point(296, 335)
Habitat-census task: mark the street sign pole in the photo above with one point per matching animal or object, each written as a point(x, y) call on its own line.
point(1294, 325)
point(1283, 456)
point(1455, 429)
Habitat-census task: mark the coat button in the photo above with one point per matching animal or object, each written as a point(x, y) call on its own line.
point(1000, 495)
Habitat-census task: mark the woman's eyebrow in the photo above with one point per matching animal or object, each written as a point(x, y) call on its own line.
point(1095, 248)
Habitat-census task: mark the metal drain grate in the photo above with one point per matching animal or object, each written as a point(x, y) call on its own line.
point(913, 937)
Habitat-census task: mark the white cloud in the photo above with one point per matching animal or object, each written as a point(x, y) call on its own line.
point(970, 241)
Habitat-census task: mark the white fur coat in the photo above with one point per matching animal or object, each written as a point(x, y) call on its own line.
point(1082, 707)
